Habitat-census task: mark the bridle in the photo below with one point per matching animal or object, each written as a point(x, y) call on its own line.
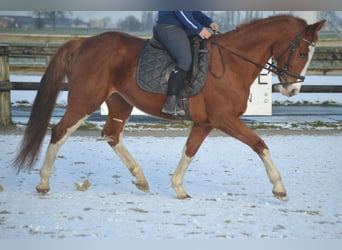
point(270, 67)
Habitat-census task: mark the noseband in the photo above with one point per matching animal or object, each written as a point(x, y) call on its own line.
point(270, 67)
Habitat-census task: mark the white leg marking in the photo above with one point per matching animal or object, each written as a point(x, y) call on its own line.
point(178, 176)
point(46, 170)
point(132, 165)
point(50, 157)
point(117, 119)
point(273, 175)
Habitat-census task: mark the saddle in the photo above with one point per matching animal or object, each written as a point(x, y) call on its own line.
point(155, 65)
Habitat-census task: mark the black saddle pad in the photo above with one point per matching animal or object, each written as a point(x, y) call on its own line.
point(155, 66)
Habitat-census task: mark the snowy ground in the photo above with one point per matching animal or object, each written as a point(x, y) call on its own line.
point(231, 193)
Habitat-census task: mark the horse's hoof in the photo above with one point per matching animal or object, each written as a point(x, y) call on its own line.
point(41, 190)
point(183, 197)
point(280, 195)
point(142, 186)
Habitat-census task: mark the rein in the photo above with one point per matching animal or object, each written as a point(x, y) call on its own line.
point(270, 67)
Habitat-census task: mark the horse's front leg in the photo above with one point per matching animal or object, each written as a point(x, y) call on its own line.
point(273, 174)
point(197, 135)
point(236, 128)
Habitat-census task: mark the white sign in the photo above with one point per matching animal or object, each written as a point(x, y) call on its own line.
point(260, 97)
point(259, 101)
point(104, 109)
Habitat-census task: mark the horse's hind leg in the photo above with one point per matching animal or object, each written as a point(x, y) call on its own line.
point(59, 134)
point(118, 113)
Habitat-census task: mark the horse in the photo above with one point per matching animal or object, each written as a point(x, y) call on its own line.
point(102, 68)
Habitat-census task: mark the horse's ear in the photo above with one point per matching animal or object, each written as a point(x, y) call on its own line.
point(316, 26)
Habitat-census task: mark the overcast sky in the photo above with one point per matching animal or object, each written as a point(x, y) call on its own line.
point(85, 15)
point(114, 15)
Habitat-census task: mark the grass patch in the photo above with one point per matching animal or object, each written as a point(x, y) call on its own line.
point(294, 125)
point(320, 124)
point(305, 103)
point(84, 126)
point(158, 126)
point(22, 103)
point(88, 126)
point(329, 103)
point(134, 126)
point(264, 126)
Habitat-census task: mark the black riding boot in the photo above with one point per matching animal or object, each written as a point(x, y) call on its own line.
point(172, 105)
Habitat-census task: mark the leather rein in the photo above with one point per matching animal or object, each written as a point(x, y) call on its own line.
point(270, 67)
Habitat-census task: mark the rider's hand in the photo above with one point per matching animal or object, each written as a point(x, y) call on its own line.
point(214, 26)
point(205, 33)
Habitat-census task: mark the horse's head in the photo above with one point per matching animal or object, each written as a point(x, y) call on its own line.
point(293, 58)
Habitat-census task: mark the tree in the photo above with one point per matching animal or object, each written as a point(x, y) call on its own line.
point(49, 16)
point(54, 15)
point(39, 21)
point(130, 23)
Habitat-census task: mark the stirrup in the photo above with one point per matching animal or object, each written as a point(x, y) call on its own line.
point(175, 112)
point(179, 111)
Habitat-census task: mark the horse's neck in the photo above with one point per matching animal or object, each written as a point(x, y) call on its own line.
point(255, 44)
point(257, 39)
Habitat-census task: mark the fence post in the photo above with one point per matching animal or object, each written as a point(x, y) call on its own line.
point(5, 87)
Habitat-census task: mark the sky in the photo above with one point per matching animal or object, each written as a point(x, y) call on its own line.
point(86, 15)
point(114, 15)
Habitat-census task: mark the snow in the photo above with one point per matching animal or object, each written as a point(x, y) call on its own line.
point(231, 195)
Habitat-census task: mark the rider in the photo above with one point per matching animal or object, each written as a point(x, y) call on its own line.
point(173, 29)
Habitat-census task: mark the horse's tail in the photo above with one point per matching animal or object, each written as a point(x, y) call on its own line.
point(45, 100)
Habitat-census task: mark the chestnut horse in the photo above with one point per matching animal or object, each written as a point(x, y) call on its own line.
point(103, 68)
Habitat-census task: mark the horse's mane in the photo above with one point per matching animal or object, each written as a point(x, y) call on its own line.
point(261, 21)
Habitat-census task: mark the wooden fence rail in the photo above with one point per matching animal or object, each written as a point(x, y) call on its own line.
point(34, 58)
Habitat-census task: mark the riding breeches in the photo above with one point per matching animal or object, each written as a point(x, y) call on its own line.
point(176, 41)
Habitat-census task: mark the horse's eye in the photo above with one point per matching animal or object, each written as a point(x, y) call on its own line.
point(303, 54)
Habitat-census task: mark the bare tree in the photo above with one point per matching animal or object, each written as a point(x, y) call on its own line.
point(39, 21)
point(130, 23)
point(52, 16)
